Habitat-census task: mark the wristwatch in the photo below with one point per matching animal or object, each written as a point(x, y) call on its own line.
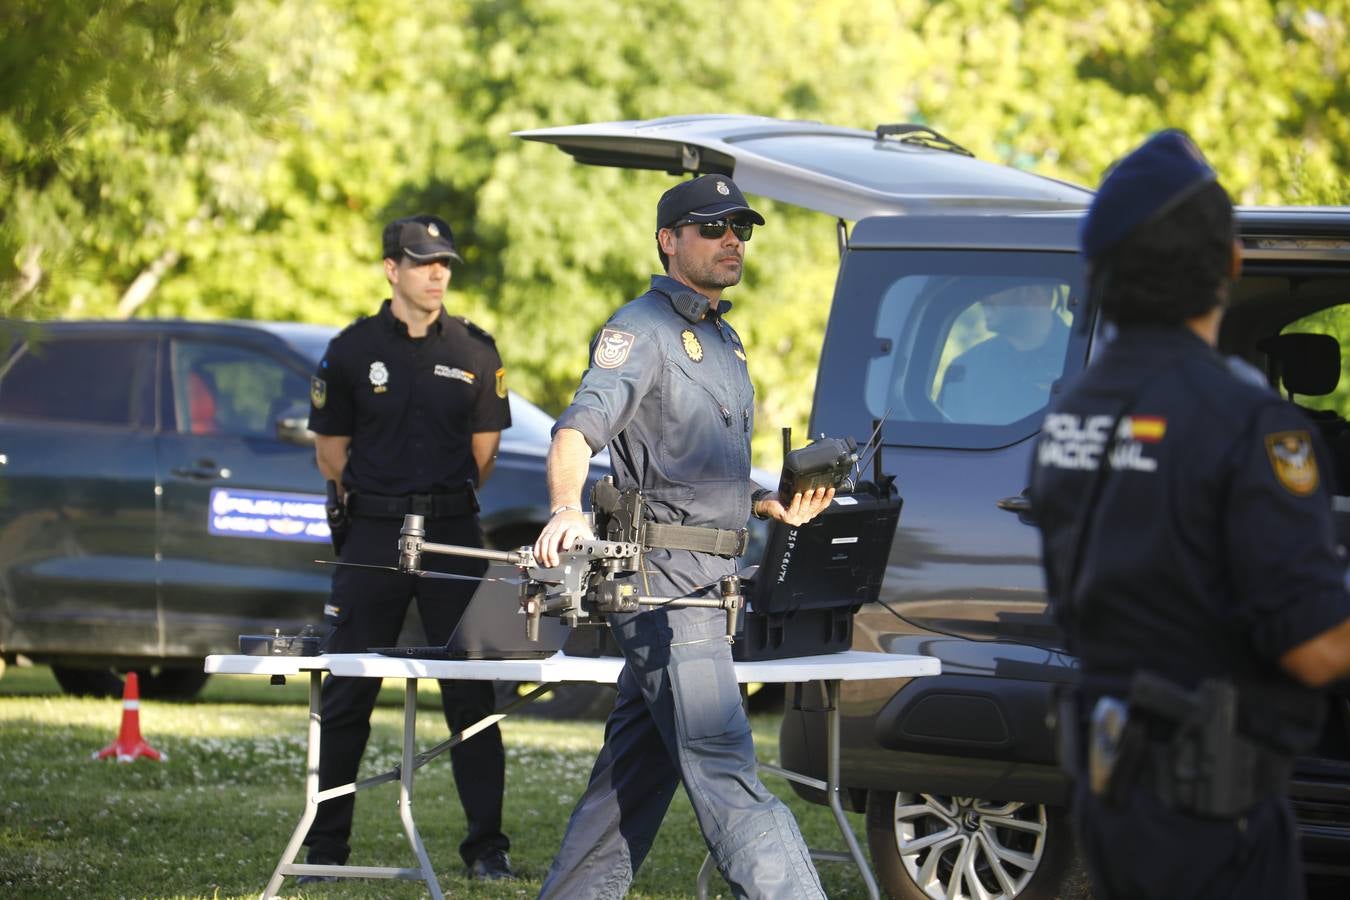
point(563, 508)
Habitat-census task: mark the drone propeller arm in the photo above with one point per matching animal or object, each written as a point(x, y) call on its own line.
point(510, 557)
point(412, 544)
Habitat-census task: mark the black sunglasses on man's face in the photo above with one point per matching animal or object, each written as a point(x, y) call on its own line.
point(718, 227)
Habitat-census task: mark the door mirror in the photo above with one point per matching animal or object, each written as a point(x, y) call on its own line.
point(293, 425)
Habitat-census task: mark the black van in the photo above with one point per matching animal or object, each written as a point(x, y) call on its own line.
point(957, 773)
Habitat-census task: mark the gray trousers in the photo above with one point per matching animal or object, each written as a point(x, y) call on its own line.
point(678, 719)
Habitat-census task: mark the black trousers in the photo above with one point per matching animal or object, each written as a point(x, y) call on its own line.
point(367, 609)
point(1145, 851)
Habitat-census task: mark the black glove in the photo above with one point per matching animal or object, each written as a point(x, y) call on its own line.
point(339, 523)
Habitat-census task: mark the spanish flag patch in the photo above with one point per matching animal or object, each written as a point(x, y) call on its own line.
point(1145, 429)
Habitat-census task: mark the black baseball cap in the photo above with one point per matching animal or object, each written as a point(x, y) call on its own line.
point(703, 199)
point(422, 238)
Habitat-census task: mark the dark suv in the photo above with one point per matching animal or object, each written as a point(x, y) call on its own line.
point(957, 773)
point(159, 495)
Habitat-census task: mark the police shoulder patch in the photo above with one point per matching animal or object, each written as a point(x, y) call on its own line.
point(501, 382)
point(318, 391)
point(1292, 458)
point(612, 348)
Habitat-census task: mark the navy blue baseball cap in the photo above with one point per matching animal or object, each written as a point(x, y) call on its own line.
point(1157, 176)
point(703, 199)
point(421, 238)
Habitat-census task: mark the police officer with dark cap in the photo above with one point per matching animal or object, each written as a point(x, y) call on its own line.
point(1189, 554)
point(669, 392)
point(408, 406)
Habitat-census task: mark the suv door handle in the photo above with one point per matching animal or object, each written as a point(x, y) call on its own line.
point(202, 470)
point(1019, 504)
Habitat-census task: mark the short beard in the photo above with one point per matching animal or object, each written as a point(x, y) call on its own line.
point(712, 277)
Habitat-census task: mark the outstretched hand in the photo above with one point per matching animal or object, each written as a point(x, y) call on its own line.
point(562, 531)
point(800, 510)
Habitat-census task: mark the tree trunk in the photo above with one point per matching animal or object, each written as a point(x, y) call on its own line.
point(146, 282)
point(30, 275)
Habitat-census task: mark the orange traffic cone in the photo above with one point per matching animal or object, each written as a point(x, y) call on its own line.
point(129, 744)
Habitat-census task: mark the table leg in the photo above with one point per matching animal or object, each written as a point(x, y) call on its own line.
point(405, 787)
point(311, 789)
point(831, 788)
point(314, 796)
point(411, 762)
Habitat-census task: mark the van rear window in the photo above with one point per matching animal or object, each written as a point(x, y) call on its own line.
point(962, 349)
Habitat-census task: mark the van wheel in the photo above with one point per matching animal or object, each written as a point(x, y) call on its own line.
point(154, 684)
point(933, 847)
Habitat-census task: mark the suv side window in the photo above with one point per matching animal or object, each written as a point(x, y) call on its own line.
point(93, 381)
point(965, 349)
point(229, 389)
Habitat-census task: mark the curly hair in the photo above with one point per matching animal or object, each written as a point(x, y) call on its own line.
point(1172, 268)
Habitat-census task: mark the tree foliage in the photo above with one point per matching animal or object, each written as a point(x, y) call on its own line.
point(239, 158)
point(127, 133)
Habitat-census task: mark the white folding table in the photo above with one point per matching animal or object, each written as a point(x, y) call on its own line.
point(830, 668)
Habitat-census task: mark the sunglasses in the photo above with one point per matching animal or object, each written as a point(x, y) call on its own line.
point(718, 227)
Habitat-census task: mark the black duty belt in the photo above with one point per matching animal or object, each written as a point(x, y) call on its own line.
point(718, 541)
point(433, 506)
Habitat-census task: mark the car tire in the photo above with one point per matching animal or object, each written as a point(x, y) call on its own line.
point(929, 847)
point(154, 684)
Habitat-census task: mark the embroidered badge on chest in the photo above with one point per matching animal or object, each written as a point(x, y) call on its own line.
point(455, 373)
point(692, 348)
point(379, 377)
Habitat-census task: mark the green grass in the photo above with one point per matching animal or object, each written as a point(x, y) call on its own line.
point(213, 820)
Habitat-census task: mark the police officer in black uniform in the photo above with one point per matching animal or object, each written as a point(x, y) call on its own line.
point(1189, 554)
point(408, 406)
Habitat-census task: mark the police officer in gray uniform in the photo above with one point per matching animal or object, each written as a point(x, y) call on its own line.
point(669, 392)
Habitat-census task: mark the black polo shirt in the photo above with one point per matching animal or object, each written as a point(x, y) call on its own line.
point(410, 405)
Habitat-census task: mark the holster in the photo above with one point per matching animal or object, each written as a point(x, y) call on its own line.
point(339, 522)
point(1186, 747)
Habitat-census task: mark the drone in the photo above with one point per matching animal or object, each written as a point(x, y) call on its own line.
point(591, 580)
point(581, 589)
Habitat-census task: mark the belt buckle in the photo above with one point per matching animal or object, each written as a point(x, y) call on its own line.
point(420, 505)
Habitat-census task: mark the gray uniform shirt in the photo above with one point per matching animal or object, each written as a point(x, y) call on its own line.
point(670, 394)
